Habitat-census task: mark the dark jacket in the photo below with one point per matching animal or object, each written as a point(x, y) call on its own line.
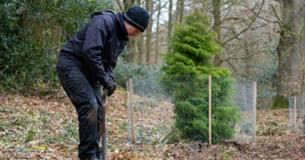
point(96, 47)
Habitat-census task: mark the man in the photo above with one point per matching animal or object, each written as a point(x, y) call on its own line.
point(87, 60)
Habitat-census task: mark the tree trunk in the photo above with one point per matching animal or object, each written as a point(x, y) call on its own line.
point(131, 50)
point(200, 5)
point(141, 53)
point(217, 27)
point(289, 52)
point(179, 11)
point(247, 61)
point(170, 23)
point(128, 4)
point(157, 33)
point(138, 53)
point(217, 18)
point(149, 7)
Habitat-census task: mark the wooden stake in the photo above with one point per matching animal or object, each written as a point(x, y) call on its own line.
point(131, 111)
point(254, 109)
point(210, 110)
point(295, 112)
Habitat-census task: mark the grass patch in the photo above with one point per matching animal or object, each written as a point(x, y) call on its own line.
point(30, 135)
point(225, 153)
point(68, 135)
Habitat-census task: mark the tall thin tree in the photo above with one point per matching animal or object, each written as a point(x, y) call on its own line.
point(170, 22)
point(157, 32)
point(179, 11)
point(149, 7)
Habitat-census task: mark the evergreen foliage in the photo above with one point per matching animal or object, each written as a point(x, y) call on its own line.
point(186, 79)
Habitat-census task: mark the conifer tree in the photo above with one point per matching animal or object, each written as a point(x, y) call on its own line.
point(187, 67)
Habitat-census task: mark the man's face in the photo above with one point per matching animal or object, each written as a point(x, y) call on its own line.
point(131, 30)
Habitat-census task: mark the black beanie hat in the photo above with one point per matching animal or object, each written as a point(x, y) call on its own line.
point(138, 17)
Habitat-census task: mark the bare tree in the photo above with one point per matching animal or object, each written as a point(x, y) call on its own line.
point(170, 21)
point(149, 6)
point(138, 45)
point(232, 19)
point(157, 32)
point(217, 26)
point(217, 18)
point(179, 11)
point(290, 48)
point(123, 5)
point(141, 50)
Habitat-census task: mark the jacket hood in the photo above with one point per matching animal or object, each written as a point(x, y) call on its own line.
point(121, 26)
point(101, 12)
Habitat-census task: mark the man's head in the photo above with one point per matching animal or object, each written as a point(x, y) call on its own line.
point(136, 20)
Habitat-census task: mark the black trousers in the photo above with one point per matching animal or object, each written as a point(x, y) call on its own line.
point(86, 98)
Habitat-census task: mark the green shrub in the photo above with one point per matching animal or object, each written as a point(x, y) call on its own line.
point(27, 66)
point(186, 80)
point(280, 102)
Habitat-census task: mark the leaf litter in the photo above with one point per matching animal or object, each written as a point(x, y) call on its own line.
point(34, 127)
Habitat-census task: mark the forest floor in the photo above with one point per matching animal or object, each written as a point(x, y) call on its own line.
point(34, 127)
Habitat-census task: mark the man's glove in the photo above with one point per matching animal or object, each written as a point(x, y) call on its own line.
point(109, 84)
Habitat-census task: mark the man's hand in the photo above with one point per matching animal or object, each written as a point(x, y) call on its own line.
point(110, 85)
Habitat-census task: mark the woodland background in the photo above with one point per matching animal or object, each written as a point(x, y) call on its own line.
point(260, 40)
